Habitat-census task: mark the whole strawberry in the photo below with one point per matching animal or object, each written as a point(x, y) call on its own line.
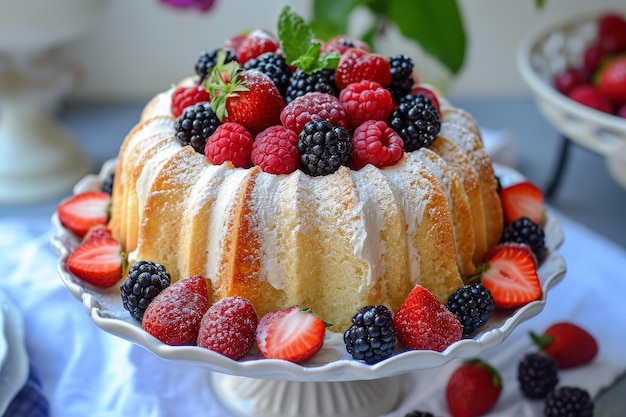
point(473, 389)
point(228, 327)
point(255, 44)
point(174, 315)
point(612, 80)
point(569, 344)
point(592, 97)
point(423, 322)
point(247, 97)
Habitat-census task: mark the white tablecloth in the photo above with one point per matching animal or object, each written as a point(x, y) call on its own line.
point(87, 372)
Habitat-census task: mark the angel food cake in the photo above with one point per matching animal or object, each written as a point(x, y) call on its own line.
point(333, 186)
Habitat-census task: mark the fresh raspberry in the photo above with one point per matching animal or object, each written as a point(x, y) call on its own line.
point(256, 43)
point(311, 106)
point(356, 65)
point(228, 327)
point(590, 96)
point(429, 94)
point(375, 143)
point(365, 100)
point(230, 142)
point(184, 97)
point(275, 150)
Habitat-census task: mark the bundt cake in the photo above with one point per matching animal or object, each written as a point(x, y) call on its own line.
point(334, 242)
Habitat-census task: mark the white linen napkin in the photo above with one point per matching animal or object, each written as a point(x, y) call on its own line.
point(86, 371)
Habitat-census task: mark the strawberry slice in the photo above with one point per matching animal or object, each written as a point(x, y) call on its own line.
point(510, 275)
point(81, 212)
point(97, 261)
point(522, 199)
point(291, 334)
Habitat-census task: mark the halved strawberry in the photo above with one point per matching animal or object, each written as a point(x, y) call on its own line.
point(82, 211)
point(522, 199)
point(97, 261)
point(510, 274)
point(291, 334)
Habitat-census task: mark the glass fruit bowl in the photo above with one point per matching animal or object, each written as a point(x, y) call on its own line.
point(549, 50)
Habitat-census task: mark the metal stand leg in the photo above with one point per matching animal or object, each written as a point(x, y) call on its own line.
point(558, 173)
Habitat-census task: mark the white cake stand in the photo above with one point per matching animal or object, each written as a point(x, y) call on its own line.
point(330, 384)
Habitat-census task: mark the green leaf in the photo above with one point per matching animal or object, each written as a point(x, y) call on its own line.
point(330, 17)
point(540, 3)
point(294, 33)
point(437, 25)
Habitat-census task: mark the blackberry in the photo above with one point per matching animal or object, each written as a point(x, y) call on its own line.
point(416, 120)
point(472, 304)
point(195, 125)
point(372, 336)
point(568, 402)
point(537, 375)
point(145, 281)
point(323, 147)
point(207, 60)
point(107, 183)
point(274, 66)
point(526, 231)
point(301, 83)
point(401, 76)
point(419, 413)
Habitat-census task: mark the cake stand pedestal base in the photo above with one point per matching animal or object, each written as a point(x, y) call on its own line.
point(244, 397)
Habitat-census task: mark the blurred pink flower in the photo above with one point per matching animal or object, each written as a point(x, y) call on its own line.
point(201, 5)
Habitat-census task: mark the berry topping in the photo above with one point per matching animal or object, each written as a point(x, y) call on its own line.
point(228, 327)
point(195, 125)
point(207, 61)
point(255, 44)
point(82, 211)
point(274, 66)
point(356, 65)
point(174, 315)
point(472, 304)
point(425, 323)
point(473, 389)
point(313, 106)
point(401, 76)
point(510, 274)
point(230, 142)
point(323, 147)
point(291, 334)
point(365, 100)
point(184, 97)
point(523, 199)
point(275, 150)
point(342, 43)
point(567, 343)
point(98, 259)
point(524, 230)
point(568, 402)
point(416, 120)
point(249, 98)
point(375, 143)
point(371, 337)
point(145, 281)
point(537, 374)
point(301, 83)
point(430, 94)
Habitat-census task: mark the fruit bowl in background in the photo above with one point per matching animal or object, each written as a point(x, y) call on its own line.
point(331, 383)
point(548, 51)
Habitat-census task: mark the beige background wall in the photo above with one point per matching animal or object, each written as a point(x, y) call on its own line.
point(139, 47)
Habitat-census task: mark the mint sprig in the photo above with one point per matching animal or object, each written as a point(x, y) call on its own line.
point(299, 45)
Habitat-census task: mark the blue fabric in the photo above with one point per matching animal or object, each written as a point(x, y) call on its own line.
point(30, 400)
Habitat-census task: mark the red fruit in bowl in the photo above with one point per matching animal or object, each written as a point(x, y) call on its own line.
point(568, 79)
point(610, 22)
point(614, 42)
point(590, 96)
point(612, 80)
point(593, 55)
point(621, 112)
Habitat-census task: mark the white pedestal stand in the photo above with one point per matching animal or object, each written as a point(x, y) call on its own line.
point(39, 160)
point(245, 397)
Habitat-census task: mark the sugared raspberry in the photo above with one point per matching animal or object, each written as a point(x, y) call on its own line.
point(365, 100)
point(313, 106)
point(375, 143)
point(230, 142)
point(228, 327)
point(275, 150)
point(184, 97)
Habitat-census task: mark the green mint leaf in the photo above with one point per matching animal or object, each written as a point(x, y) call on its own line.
point(330, 60)
point(295, 35)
